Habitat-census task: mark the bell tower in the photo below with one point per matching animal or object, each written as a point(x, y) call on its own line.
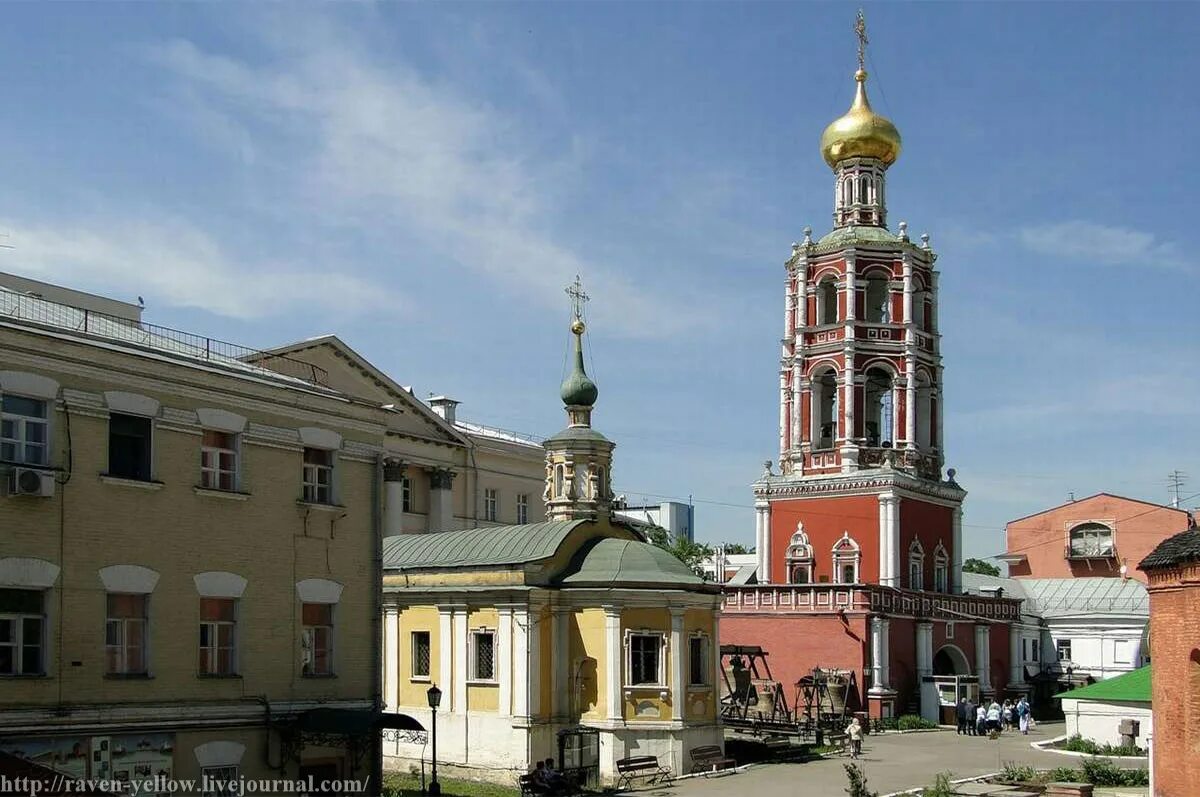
point(861, 449)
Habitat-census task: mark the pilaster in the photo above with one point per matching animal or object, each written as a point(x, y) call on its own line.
point(391, 657)
point(506, 653)
point(445, 652)
point(393, 496)
point(983, 657)
point(527, 636)
point(678, 655)
point(560, 673)
point(614, 702)
point(461, 651)
point(762, 518)
point(889, 539)
point(956, 558)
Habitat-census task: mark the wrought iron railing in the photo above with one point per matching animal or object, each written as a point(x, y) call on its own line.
point(42, 312)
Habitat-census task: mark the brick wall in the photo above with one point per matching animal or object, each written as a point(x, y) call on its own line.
point(1175, 646)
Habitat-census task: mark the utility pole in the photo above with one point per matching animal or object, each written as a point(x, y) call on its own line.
point(1175, 480)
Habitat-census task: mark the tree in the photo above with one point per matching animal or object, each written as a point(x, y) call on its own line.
point(981, 567)
point(686, 551)
point(736, 548)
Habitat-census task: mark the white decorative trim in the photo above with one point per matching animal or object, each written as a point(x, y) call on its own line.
point(137, 483)
point(221, 420)
point(663, 648)
point(132, 579)
point(219, 753)
point(219, 584)
point(26, 384)
point(20, 571)
point(318, 590)
point(131, 403)
point(313, 437)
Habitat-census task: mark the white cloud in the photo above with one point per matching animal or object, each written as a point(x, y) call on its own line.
point(1101, 244)
point(388, 149)
point(174, 263)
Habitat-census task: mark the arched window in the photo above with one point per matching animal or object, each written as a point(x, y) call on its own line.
point(919, 314)
point(916, 565)
point(1091, 541)
point(560, 471)
point(601, 484)
point(924, 410)
point(941, 569)
point(878, 299)
point(799, 557)
point(879, 408)
point(863, 192)
point(824, 409)
point(827, 301)
point(846, 558)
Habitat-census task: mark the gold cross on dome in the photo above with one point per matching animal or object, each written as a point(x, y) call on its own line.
point(860, 28)
point(578, 297)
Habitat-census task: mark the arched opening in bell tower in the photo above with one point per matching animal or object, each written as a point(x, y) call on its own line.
point(924, 410)
point(920, 312)
point(880, 408)
point(878, 299)
point(827, 301)
point(825, 408)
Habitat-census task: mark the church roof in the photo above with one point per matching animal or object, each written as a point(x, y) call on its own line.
point(575, 434)
point(613, 562)
point(496, 545)
point(1132, 686)
point(857, 234)
point(1183, 547)
point(1069, 597)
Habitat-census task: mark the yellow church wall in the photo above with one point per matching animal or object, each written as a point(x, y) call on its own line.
point(587, 642)
point(417, 618)
point(643, 704)
point(458, 578)
point(485, 696)
point(700, 702)
point(545, 681)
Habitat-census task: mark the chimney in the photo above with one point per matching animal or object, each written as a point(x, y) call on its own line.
point(444, 406)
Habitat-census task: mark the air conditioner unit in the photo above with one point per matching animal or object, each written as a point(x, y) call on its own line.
point(30, 482)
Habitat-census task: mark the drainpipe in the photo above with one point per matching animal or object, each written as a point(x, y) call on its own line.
point(377, 622)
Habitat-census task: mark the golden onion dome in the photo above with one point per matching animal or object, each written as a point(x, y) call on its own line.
point(861, 133)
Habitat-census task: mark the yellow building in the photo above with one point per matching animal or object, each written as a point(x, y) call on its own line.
point(533, 629)
point(189, 570)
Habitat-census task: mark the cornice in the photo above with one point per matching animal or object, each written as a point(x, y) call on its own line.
point(864, 482)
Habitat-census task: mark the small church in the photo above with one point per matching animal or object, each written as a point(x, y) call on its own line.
point(573, 639)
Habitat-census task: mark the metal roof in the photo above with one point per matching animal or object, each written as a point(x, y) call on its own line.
point(1069, 597)
point(613, 561)
point(497, 545)
point(1132, 686)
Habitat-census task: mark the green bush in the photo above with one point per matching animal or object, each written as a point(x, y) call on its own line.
point(1062, 775)
point(941, 786)
point(907, 722)
point(1102, 772)
point(1018, 773)
point(1077, 744)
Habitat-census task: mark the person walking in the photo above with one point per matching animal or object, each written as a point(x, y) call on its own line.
point(980, 720)
point(1006, 716)
point(960, 712)
point(854, 734)
point(993, 717)
point(1023, 715)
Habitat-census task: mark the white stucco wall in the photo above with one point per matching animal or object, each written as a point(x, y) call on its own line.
point(1101, 647)
point(1100, 721)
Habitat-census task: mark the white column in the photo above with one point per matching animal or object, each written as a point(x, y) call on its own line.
point(528, 683)
point(846, 428)
point(956, 555)
point(801, 298)
point(505, 654)
point(614, 700)
point(762, 513)
point(877, 682)
point(563, 692)
point(784, 390)
point(445, 652)
point(939, 415)
point(983, 655)
point(678, 658)
point(851, 288)
point(393, 496)
point(910, 401)
point(885, 665)
point(885, 561)
point(924, 651)
point(908, 289)
point(391, 657)
point(1016, 668)
point(461, 651)
point(716, 678)
point(889, 540)
point(797, 403)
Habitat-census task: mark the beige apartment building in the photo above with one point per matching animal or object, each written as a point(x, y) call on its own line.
point(190, 564)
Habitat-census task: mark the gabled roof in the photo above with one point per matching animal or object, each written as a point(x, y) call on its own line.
point(493, 546)
point(1131, 687)
point(1183, 547)
point(1098, 495)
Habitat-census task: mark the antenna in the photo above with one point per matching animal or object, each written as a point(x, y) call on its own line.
point(1175, 482)
point(1071, 496)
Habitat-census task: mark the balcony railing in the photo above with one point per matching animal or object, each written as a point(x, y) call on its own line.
point(822, 598)
point(231, 356)
point(1080, 553)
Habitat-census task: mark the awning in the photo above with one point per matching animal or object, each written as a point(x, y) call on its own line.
point(353, 721)
point(45, 780)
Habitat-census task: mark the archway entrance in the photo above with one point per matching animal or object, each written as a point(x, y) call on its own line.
point(949, 660)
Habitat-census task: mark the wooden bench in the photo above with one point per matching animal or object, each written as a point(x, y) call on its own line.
point(710, 758)
point(643, 766)
point(530, 787)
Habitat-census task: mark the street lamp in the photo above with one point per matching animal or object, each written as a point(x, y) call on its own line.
point(434, 696)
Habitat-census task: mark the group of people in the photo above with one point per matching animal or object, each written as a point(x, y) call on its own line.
point(980, 719)
point(545, 779)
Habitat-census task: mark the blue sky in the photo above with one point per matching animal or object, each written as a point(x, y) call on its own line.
point(424, 180)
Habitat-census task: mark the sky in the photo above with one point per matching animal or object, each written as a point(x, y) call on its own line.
point(424, 180)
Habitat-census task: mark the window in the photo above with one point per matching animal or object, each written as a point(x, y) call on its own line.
point(220, 782)
point(1063, 646)
point(1091, 540)
point(799, 557)
point(916, 565)
point(420, 654)
point(24, 431)
point(522, 509)
point(698, 661)
point(825, 409)
point(218, 636)
point(879, 416)
point(941, 569)
point(318, 476)
point(125, 634)
point(827, 302)
point(644, 657)
point(1035, 656)
point(1123, 651)
point(489, 504)
point(801, 574)
point(483, 655)
point(129, 446)
point(845, 560)
point(405, 494)
point(317, 638)
point(22, 622)
point(218, 460)
point(949, 630)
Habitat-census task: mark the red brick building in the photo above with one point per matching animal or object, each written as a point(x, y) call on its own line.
point(1173, 570)
point(1102, 535)
point(859, 534)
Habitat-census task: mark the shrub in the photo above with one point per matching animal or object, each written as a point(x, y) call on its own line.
point(1063, 775)
point(1102, 772)
point(1136, 777)
point(941, 786)
point(907, 722)
point(1077, 744)
point(858, 782)
point(1018, 773)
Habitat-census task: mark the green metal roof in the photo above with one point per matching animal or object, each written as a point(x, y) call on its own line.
point(612, 561)
point(854, 234)
point(497, 545)
point(1131, 687)
point(575, 434)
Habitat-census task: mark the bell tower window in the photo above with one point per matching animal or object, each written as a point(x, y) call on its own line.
point(825, 409)
point(924, 411)
point(827, 301)
point(879, 301)
point(880, 403)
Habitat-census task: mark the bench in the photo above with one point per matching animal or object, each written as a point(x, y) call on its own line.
point(839, 740)
point(710, 758)
point(530, 787)
point(643, 766)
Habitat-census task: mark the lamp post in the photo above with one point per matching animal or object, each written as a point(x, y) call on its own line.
point(434, 696)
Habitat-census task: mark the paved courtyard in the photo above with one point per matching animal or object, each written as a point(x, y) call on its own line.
point(892, 762)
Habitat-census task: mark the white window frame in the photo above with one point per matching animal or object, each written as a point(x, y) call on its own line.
point(473, 656)
point(19, 440)
point(405, 494)
point(846, 551)
point(522, 508)
point(916, 563)
point(413, 675)
point(660, 683)
point(19, 644)
point(229, 775)
point(1123, 651)
point(307, 633)
point(941, 569)
point(123, 646)
point(214, 636)
point(311, 485)
point(1060, 645)
point(1092, 530)
point(490, 503)
point(210, 476)
point(701, 638)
